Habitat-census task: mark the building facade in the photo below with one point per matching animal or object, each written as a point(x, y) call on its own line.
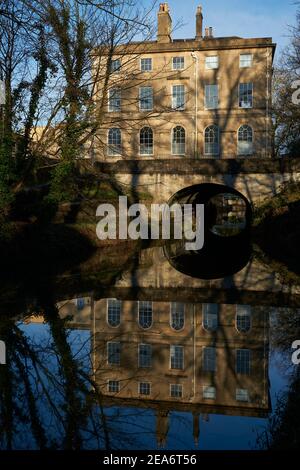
point(206, 97)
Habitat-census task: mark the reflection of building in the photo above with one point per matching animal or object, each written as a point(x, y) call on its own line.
point(201, 358)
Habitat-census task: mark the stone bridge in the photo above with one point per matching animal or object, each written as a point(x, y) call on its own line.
point(255, 178)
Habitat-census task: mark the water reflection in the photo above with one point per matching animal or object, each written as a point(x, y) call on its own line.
point(156, 358)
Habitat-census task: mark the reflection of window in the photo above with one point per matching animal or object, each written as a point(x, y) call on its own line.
point(114, 100)
point(212, 62)
point(115, 65)
point(113, 312)
point(245, 60)
point(145, 355)
point(145, 314)
point(211, 138)
point(144, 388)
point(245, 140)
point(178, 141)
point(241, 394)
point(146, 98)
point(178, 97)
point(177, 315)
point(209, 392)
point(209, 359)
point(210, 316)
point(178, 63)
point(243, 361)
point(176, 390)
point(113, 353)
point(114, 141)
point(146, 141)
point(146, 65)
point(246, 95)
point(211, 96)
point(177, 357)
point(113, 386)
point(243, 318)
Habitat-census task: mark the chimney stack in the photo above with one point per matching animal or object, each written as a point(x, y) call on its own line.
point(164, 24)
point(209, 32)
point(199, 23)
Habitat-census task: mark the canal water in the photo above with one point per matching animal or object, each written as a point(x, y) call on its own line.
point(166, 351)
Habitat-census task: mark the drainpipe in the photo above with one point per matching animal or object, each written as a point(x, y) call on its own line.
point(267, 107)
point(196, 59)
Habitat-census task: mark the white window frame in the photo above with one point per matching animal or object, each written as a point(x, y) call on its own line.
point(206, 102)
point(116, 381)
point(181, 59)
point(208, 66)
point(172, 131)
point(182, 349)
point(110, 147)
point(107, 302)
point(117, 70)
point(246, 66)
point(212, 154)
point(146, 154)
point(180, 387)
point(249, 314)
point(215, 358)
point(141, 61)
point(248, 372)
point(171, 321)
point(239, 97)
point(239, 392)
point(142, 109)
point(113, 364)
point(110, 110)
point(145, 394)
point(150, 302)
point(176, 108)
point(203, 313)
point(244, 154)
point(151, 349)
point(213, 389)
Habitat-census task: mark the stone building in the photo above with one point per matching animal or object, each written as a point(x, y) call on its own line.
point(205, 97)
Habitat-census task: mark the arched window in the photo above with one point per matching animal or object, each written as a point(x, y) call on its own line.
point(114, 141)
point(146, 141)
point(211, 138)
point(210, 313)
point(113, 312)
point(178, 141)
point(145, 314)
point(177, 316)
point(245, 140)
point(243, 318)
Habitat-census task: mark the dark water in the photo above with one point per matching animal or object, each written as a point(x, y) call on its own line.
point(169, 351)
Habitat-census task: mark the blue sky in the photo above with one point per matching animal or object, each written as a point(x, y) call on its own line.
point(255, 18)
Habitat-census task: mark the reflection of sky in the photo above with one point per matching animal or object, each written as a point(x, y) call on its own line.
point(134, 428)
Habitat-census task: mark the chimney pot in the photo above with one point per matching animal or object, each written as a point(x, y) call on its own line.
point(199, 23)
point(164, 23)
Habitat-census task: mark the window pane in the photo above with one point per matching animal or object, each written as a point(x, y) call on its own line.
point(243, 361)
point(212, 62)
point(146, 65)
point(146, 98)
point(113, 386)
point(212, 140)
point(114, 100)
point(145, 314)
point(113, 312)
point(245, 95)
point(177, 357)
point(209, 392)
point(243, 318)
point(113, 353)
point(178, 97)
point(241, 394)
point(211, 96)
point(209, 359)
point(245, 140)
point(114, 142)
point(178, 63)
point(177, 315)
point(145, 355)
point(115, 65)
point(246, 60)
point(210, 316)
point(144, 388)
point(176, 390)
point(146, 141)
point(178, 141)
